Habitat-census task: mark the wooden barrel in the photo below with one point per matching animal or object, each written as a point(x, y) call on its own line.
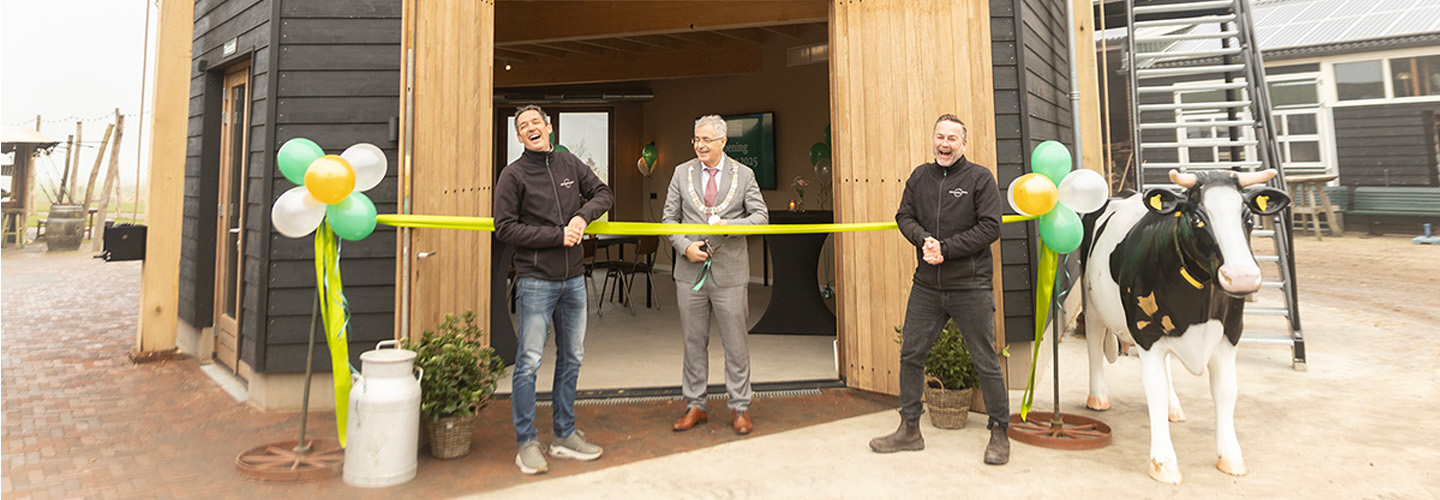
point(64, 228)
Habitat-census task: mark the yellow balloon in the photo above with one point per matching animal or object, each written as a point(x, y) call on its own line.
point(330, 179)
point(1034, 194)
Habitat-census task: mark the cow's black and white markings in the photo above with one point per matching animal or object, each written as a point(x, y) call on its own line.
point(1168, 272)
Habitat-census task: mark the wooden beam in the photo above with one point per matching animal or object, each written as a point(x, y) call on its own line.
point(744, 35)
point(535, 50)
point(726, 58)
point(611, 44)
point(794, 32)
point(159, 290)
point(573, 48)
point(659, 42)
point(576, 20)
point(511, 56)
point(1092, 151)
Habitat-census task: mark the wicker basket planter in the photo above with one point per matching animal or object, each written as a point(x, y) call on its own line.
point(450, 437)
point(948, 408)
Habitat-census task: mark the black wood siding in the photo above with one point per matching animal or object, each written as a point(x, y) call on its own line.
point(216, 22)
point(335, 80)
point(1031, 106)
point(338, 68)
point(1015, 250)
point(1388, 145)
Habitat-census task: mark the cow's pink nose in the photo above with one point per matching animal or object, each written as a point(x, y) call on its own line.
point(1240, 279)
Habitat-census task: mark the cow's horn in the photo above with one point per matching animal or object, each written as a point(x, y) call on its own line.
point(1186, 181)
point(1253, 178)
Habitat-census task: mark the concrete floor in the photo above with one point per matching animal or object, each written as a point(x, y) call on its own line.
point(1357, 424)
point(645, 350)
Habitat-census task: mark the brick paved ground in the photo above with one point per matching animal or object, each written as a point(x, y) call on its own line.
point(80, 421)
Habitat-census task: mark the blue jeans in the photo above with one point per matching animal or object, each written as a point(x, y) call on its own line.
point(540, 302)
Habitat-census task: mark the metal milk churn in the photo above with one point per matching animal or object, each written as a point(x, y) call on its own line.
point(384, 419)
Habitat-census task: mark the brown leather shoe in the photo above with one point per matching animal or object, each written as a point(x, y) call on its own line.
point(692, 416)
point(741, 421)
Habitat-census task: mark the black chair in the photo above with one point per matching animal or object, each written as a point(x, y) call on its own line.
point(624, 272)
point(592, 264)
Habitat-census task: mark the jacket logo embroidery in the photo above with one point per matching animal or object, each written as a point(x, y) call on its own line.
point(567, 183)
point(958, 192)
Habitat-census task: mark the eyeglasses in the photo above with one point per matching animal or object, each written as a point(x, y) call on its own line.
point(708, 141)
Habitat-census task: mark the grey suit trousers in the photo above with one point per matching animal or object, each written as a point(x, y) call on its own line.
point(730, 308)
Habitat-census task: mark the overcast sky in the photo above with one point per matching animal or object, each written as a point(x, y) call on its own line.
point(75, 59)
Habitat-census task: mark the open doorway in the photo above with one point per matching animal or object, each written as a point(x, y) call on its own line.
point(644, 87)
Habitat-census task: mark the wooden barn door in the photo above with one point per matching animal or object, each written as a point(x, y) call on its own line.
point(451, 169)
point(896, 66)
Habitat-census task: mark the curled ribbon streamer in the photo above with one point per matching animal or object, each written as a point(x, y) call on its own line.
point(1053, 273)
point(334, 314)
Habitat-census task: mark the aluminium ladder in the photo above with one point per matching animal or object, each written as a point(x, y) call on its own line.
point(1205, 49)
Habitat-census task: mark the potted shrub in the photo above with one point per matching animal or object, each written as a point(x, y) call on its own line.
point(950, 379)
point(461, 374)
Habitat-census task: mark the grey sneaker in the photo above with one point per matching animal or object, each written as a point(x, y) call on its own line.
point(575, 446)
point(531, 459)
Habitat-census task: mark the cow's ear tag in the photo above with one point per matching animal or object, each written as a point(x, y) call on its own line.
point(1162, 201)
point(1267, 200)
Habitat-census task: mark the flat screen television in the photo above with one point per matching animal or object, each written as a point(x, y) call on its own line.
point(752, 142)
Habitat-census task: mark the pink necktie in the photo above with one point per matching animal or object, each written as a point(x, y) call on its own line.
point(710, 189)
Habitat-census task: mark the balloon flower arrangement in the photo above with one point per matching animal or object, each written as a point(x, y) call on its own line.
point(1057, 195)
point(331, 189)
point(330, 197)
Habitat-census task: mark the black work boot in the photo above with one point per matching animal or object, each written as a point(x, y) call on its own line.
point(998, 451)
point(905, 438)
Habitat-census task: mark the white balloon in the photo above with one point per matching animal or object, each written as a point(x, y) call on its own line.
point(296, 213)
point(644, 168)
point(822, 173)
point(369, 164)
point(1083, 191)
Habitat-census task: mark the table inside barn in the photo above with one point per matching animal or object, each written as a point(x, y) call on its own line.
point(796, 307)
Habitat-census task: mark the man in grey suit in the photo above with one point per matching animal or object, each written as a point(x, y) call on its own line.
point(713, 189)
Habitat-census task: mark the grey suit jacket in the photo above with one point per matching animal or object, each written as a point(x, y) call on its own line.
point(730, 256)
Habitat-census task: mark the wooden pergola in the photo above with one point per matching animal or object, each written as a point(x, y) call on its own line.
point(25, 144)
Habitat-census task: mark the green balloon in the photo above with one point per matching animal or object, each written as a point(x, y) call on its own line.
point(295, 156)
point(1061, 230)
point(353, 218)
point(1051, 159)
point(650, 153)
point(827, 135)
point(819, 151)
point(560, 148)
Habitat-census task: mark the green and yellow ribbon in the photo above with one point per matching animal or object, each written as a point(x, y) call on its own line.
point(335, 316)
point(652, 228)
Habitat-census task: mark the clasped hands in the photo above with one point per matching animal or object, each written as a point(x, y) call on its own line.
point(575, 230)
point(931, 250)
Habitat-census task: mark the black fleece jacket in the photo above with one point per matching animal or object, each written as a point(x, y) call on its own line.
point(535, 198)
point(960, 206)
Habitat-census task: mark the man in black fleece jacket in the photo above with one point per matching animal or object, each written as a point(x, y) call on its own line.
point(539, 210)
point(951, 213)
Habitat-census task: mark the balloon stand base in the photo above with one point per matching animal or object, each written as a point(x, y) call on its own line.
point(280, 462)
point(1069, 432)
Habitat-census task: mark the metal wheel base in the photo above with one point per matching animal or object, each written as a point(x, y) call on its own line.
point(280, 462)
point(1071, 432)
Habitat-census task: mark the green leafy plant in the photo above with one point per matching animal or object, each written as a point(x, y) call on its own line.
point(948, 361)
point(461, 372)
